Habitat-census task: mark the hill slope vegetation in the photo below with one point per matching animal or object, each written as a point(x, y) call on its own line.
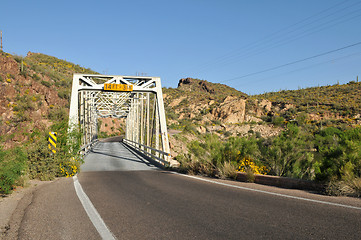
point(216, 130)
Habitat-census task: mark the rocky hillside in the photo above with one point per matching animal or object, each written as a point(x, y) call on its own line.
point(200, 107)
point(34, 94)
point(214, 129)
point(28, 103)
point(215, 108)
point(205, 103)
point(325, 102)
point(35, 91)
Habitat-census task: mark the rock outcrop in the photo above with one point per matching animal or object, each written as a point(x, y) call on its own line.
point(232, 110)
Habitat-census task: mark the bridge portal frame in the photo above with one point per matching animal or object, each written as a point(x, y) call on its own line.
point(143, 108)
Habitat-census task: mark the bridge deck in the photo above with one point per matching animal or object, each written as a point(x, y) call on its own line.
point(114, 156)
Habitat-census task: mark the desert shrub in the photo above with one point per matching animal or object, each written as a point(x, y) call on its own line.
point(247, 165)
point(24, 73)
point(278, 121)
point(35, 77)
point(45, 165)
point(22, 116)
point(235, 149)
point(23, 103)
point(58, 114)
point(348, 184)
point(22, 108)
point(216, 122)
point(336, 150)
point(301, 118)
point(172, 115)
point(228, 134)
point(199, 158)
point(102, 134)
point(267, 118)
point(288, 154)
point(190, 164)
point(184, 102)
point(46, 83)
point(189, 127)
point(241, 152)
point(350, 188)
point(227, 170)
point(69, 147)
point(12, 166)
point(42, 164)
point(210, 156)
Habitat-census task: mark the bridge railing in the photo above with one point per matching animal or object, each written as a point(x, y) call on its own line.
point(86, 148)
point(158, 155)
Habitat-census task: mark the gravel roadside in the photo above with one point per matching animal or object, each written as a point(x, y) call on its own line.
point(18, 200)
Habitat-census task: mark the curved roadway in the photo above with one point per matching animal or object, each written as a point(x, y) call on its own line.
point(136, 200)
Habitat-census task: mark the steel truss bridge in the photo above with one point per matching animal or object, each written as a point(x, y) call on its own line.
point(137, 99)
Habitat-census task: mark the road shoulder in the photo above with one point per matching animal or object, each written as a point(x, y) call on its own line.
point(12, 208)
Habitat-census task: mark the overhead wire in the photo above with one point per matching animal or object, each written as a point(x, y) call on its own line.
point(272, 34)
point(271, 45)
point(305, 34)
point(293, 62)
point(259, 46)
point(301, 69)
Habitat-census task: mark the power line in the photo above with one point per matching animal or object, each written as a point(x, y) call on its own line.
point(304, 34)
point(292, 63)
point(303, 68)
point(254, 48)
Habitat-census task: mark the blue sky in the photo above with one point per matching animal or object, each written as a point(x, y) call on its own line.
point(216, 40)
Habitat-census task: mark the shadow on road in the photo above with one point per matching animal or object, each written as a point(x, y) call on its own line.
point(138, 160)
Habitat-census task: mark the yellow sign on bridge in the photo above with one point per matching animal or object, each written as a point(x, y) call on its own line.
point(118, 87)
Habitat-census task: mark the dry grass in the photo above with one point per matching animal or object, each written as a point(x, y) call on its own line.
point(227, 170)
point(350, 188)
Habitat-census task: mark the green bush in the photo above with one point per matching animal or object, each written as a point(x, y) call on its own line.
point(46, 83)
point(24, 103)
point(45, 165)
point(172, 115)
point(22, 107)
point(235, 149)
point(189, 127)
point(278, 121)
point(12, 166)
point(336, 149)
point(41, 164)
point(289, 153)
point(64, 93)
point(35, 77)
point(210, 156)
point(24, 74)
point(58, 114)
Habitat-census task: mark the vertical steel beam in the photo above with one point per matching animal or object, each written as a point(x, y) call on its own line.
point(162, 119)
point(74, 100)
point(142, 120)
point(148, 125)
point(156, 125)
point(82, 116)
point(137, 118)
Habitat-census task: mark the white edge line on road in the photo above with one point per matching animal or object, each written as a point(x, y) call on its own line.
point(93, 214)
point(271, 193)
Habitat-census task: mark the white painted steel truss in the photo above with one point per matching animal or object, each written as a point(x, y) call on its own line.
point(143, 108)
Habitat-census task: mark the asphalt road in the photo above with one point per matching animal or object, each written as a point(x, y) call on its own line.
point(138, 201)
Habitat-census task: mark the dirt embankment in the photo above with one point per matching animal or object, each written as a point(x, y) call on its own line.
point(25, 103)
